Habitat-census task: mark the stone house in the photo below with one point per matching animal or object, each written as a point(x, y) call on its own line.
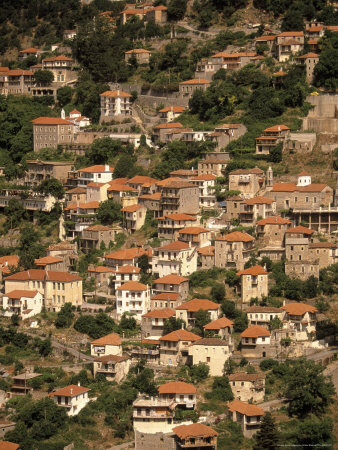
point(152, 203)
point(142, 56)
point(25, 53)
point(270, 138)
point(213, 163)
point(114, 367)
point(174, 347)
point(248, 387)
point(170, 224)
point(301, 318)
point(233, 208)
point(222, 327)
point(195, 236)
point(170, 284)
point(252, 209)
point(125, 257)
point(157, 14)
point(56, 287)
point(134, 298)
point(152, 323)
point(92, 237)
point(247, 416)
point(38, 171)
point(206, 257)
point(134, 217)
point(262, 315)
point(188, 310)
point(102, 275)
point(51, 263)
point(174, 258)
point(76, 195)
point(165, 300)
point(79, 217)
point(73, 397)
point(233, 250)
point(51, 132)
point(179, 197)
point(325, 252)
point(184, 394)
point(309, 60)
point(160, 131)
point(211, 351)
point(123, 194)
point(153, 415)
point(271, 231)
point(97, 191)
point(266, 40)
point(254, 283)
point(143, 184)
point(24, 303)
point(115, 104)
point(187, 88)
point(289, 43)
point(110, 344)
point(247, 181)
point(255, 342)
point(16, 81)
point(196, 434)
point(61, 67)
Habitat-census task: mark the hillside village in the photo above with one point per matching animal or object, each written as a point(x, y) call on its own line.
point(168, 225)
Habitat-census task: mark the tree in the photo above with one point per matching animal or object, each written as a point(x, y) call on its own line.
point(315, 431)
point(109, 212)
point(44, 77)
point(176, 9)
point(104, 149)
point(326, 70)
point(240, 323)
point(202, 317)
point(15, 213)
point(172, 324)
point(126, 167)
point(65, 316)
point(199, 372)
point(310, 288)
point(267, 436)
point(229, 309)
point(30, 247)
point(307, 389)
point(276, 153)
point(218, 292)
point(51, 186)
point(64, 95)
point(221, 390)
point(275, 324)
point(15, 319)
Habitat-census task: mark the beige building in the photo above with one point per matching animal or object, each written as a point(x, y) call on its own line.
point(113, 367)
point(153, 415)
point(102, 276)
point(134, 217)
point(271, 231)
point(195, 236)
point(134, 298)
point(221, 327)
point(92, 237)
point(211, 351)
point(57, 288)
point(254, 283)
point(160, 131)
point(16, 81)
point(115, 104)
point(174, 258)
point(51, 132)
point(76, 195)
point(128, 256)
point(252, 209)
point(248, 387)
point(196, 434)
point(170, 113)
point(172, 284)
point(233, 250)
point(152, 323)
point(110, 344)
point(262, 315)
point(122, 194)
point(187, 88)
point(152, 203)
point(255, 342)
point(51, 263)
point(142, 56)
point(301, 318)
point(179, 197)
point(289, 43)
point(184, 394)
point(165, 300)
point(174, 347)
point(38, 171)
point(61, 67)
point(247, 181)
point(188, 310)
point(23, 303)
point(271, 137)
point(206, 256)
point(326, 252)
point(247, 416)
point(170, 225)
point(214, 163)
point(206, 184)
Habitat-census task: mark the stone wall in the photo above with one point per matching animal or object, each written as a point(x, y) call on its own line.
point(158, 441)
point(323, 118)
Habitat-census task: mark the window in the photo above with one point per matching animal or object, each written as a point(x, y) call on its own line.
point(208, 359)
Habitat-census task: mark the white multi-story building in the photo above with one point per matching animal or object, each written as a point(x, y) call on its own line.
point(184, 394)
point(134, 298)
point(114, 104)
point(206, 185)
point(101, 173)
point(301, 318)
point(24, 303)
point(72, 397)
point(106, 345)
point(174, 258)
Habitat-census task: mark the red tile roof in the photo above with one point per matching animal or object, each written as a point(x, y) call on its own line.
point(177, 245)
point(256, 270)
point(206, 177)
point(284, 187)
point(128, 269)
point(300, 230)
point(175, 109)
point(47, 260)
point(168, 125)
point(138, 50)
point(245, 408)
point(309, 55)
point(236, 236)
point(58, 58)
point(99, 168)
point(219, 324)
point(30, 50)
point(263, 309)
point(19, 72)
point(89, 205)
point(171, 279)
point(255, 331)
point(196, 81)
point(259, 201)
point(206, 251)
point(194, 430)
point(177, 387)
point(141, 179)
point(255, 171)
point(70, 391)
point(211, 342)
point(180, 335)
point(291, 33)
point(166, 296)
point(51, 121)
point(132, 208)
point(196, 304)
point(44, 275)
point(322, 245)
point(101, 269)
point(165, 313)
point(180, 217)
point(18, 293)
point(314, 187)
point(109, 339)
point(274, 220)
point(98, 228)
point(132, 286)
point(6, 445)
point(115, 94)
point(193, 230)
point(128, 254)
point(299, 309)
point(277, 128)
point(116, 187)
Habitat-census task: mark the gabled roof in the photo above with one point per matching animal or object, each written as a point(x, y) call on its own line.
point(98, 228)
point(299, 309)
point(255, 171)
point(322, 245)
point(180, 335)
point(193, 230)
point(309, 55)
point(58, 58)
point(47, 260)
point(175, 109)
point(141, 179)
point(115, 94)
point(70, 391)
point(300, 230)
point(277, 128)
point(314, 187)
point(166, 296)
point(284, 187)
point(171, 279)
point(19, 72)
point(207, 251)
point(18, 293)
point(213, 342)
point(109, 339)
point(255, 331)
point(165, 313)
point(196, 304)
point(263, 309)
point(138, 50)
point(274, 220)
point(30, 50)
point(132, 208)
point(101, 269)
point(44, 275)
point(195, 81)
point(254, 271)
point(205, 177)
point(168, 125)
point(245, 408)
point(177, 245)
point(259, 201)
point(132, 286)
point(111, 359)
point(98, 168)
point(128, 269)
point(265, 38)
point(177, 387)
point(219, 324)
point(179, 217)
point(51, 121)
point(6, 445)
point(236, 236)
point(291, 33)
point(128, 253)
point(194, 430)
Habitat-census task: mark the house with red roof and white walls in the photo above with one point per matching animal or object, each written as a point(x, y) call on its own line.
point(177, 257)
point(73, 398)
point(254, 283)
point(134, 298)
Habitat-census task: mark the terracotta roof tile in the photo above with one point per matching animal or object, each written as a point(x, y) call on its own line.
point(277, 128)
point(47, 260)
point(245, 408)
point(180, 335)
point(309, 55)
point(284, 187)
point(255, 331)
point(195, 81)
point(177, 387)
point(70, 391)
point(58, 58)
point(166, 296)
point(98, 228)
point(299, 309)
point(300, 230)
point(101, 269)
point(141, 179)
point(30, 50)
point(322, 245)
point(6, 445)
point(138, 50)
point(274, 220)
point(291, 33)
point(99, 168)
point(111, 359)
point(171, 279)
point(175, 109)
point(132, 286)
point(314, 187)
point(193, 230)
point(205, 177)
point(213, 342)
point(263, 309)
point(177, 245)
point(169, 125)
point(194, 430)
point(132, 208)
point(255, 171)
point(115, 94)
point(180, 217)
point(219, 324)
point(44, 275)
point(256, 270)
point(51, 121)
point(196, 304)
point(207, 251)
point(18, 293)
point(236, 236)
point(128, 254)
point(128, 269)
point(165, 313)
point(109, 339)
point(259, 201)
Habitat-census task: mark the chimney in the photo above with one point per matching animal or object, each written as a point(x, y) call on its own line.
point(278, 127)
point(78, 383)
point(106, 167)
point(182, 326)
point(71, 391)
